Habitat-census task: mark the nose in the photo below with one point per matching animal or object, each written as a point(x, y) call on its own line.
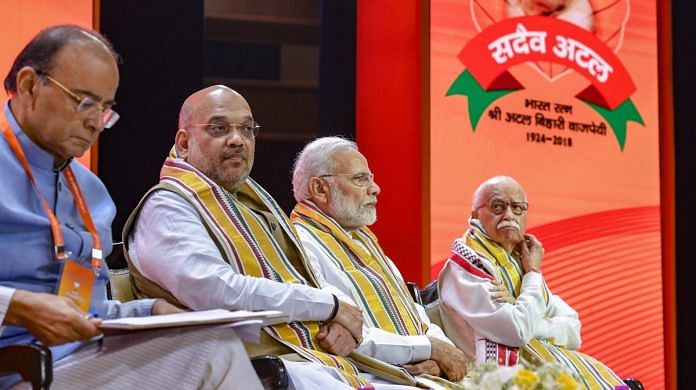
point(94, 121)
point(234, 137)
point(508, 214)
point(373, 188)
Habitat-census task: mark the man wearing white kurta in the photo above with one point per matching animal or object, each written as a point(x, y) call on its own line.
point(493, 283)
point(209, 237)
point(337, 195)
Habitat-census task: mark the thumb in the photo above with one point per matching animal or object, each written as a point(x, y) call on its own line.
point(323, 331)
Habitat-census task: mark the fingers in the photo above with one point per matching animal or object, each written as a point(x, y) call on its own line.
point(429, 367)
point(337, 340)
point(323, 331)
point(351, 318)
point(449, 358)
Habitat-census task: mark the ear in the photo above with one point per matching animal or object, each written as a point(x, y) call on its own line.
point(319, 191)
point(27, 82)
point(181, 142)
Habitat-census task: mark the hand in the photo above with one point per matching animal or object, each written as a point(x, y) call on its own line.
point(449, 358)
point(429, 367)
point(336, 339)
point(53, 320)
point(500, 293)
point(351, 318)
point(163, 307)
point(532, 253)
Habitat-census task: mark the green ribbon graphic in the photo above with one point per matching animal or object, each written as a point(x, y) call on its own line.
point(619, 117)
point(479, 99)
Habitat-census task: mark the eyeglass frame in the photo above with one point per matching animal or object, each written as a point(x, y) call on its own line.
point(109, 116)
point(354, 177)
point(255, 128)
point(507, 204)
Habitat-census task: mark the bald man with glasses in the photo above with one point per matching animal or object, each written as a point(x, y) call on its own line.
point(496, 305)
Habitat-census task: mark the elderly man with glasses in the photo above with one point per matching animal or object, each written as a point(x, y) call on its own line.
point(496, 304)
point(55, 232)
point(336, 202)
point(208, 236)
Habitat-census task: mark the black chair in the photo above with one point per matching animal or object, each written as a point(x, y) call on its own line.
point(32, 362)
point(272, 372)
point(633, 384)
point(425, 296)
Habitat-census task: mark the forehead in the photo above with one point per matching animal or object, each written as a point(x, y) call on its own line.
point(87, 67)
point(350, 161)
point(506, 191)
point(221, 104)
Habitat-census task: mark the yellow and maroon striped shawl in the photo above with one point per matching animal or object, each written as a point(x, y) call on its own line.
point(250, 249)
point(380, 293)
point(593, 373)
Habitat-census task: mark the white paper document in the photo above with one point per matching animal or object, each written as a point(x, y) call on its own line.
point(193, 318)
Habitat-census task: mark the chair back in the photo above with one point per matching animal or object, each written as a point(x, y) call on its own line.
point(120, 284)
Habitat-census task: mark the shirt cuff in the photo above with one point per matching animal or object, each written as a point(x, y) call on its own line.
point(323, 306)
point(6, 294)
point(421, 348)
point(532, 279)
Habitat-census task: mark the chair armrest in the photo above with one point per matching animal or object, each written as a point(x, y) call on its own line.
point(271, 372)
point(415, 292)
point(633, 384)
point(32, 362)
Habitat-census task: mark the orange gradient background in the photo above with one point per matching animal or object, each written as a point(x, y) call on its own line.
point(595, 207)
point(22, 19)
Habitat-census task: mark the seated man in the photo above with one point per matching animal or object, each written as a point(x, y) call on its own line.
point(337, 195)
point(55, 222)
point(493, 283)
point(208, 236)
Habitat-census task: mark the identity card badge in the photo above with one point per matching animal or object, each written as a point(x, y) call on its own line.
point(76, 282)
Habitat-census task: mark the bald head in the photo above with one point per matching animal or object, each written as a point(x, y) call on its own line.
point(226, 157)
point(479, 198)
point(207, 96)
point(500, 205)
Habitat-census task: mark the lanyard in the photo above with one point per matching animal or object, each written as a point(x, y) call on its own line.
point(58, 243)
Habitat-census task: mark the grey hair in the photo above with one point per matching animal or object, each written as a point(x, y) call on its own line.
point(314, 160)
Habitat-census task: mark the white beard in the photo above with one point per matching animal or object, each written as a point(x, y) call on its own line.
point(349, 214)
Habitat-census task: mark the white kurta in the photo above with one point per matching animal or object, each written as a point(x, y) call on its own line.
point(467, 300)
point(377, 343)
point(170, 246)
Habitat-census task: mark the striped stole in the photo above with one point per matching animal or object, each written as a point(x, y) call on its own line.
point(248, 246)
point(507, 268)
point(380, 293)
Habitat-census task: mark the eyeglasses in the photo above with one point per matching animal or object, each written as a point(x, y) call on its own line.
point(87, 105)
point(499, 207)
point(362, 179)
point(247, 130)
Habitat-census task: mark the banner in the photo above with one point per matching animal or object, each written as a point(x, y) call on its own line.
point(562, 96)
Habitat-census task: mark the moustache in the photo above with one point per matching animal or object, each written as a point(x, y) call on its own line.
point(235, 153)
point(512, 224)
point(371, 202)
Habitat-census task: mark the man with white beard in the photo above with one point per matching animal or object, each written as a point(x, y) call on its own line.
point(493, 283)
point(337, 197)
